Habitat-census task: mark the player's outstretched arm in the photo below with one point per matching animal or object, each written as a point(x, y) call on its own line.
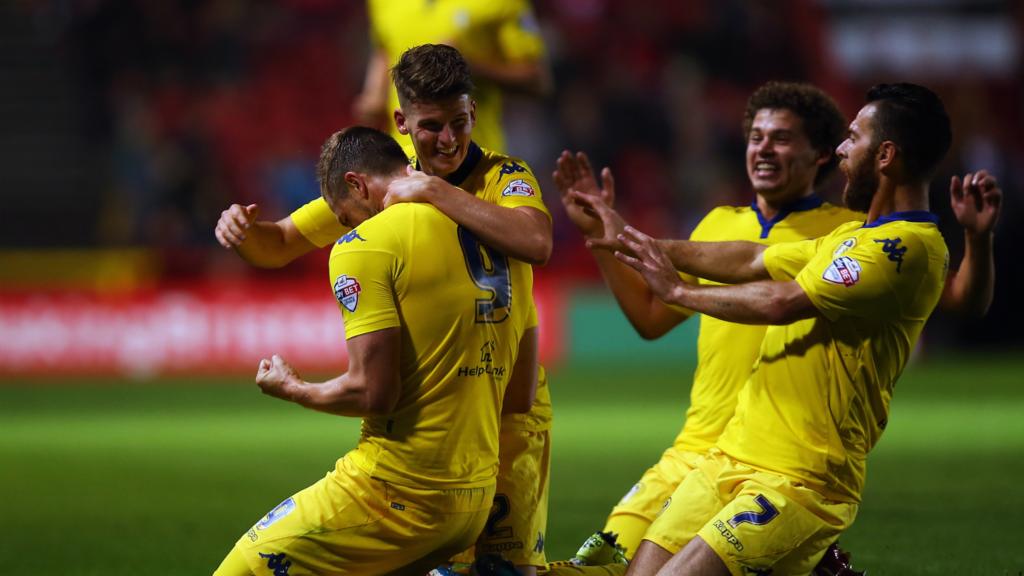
point(370, 106)
point(728, 262)
point(522, 233)
point(371, 387)
point(522, 384)
point(518, 64)
point(261, 243)
point(759, 302)
point(650, 317)
point(532, 77)
point(976, 202)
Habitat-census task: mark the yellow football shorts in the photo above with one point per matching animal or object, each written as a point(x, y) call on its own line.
point(518, 520)
point(350, 523)
point(633, 515)
point(753, 520)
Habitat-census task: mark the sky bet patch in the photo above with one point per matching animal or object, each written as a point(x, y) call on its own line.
point(517, 188)
point(843, 270)
point(347, 290)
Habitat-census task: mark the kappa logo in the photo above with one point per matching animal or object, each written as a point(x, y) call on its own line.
point(280, 511)
point(346, 290)
point(511, 168)
point(518, 188)
point(891, 246)
point(351, 237)
point(279, 563)
point(843, 270)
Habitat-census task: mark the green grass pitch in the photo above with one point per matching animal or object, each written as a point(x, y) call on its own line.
point(160, 478)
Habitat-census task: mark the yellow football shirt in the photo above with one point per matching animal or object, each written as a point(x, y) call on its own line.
point(817, 400)
point(462, 309)
point(496, 178)
point(503, 32)
point(726, 351)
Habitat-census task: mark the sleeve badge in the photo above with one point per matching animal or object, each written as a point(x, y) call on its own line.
point(843, 270)
point(518, 188)
point(346, 290)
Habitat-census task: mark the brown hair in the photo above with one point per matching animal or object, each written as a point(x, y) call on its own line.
point(914, 118)
point(430, 73)
point(823, 123)
point(356, 149)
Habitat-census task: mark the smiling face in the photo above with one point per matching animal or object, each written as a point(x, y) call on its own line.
point(857, 161)
point(441, 131)
point(781, 163)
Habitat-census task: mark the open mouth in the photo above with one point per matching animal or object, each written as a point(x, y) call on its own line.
point(449, 152)
point(765, 169)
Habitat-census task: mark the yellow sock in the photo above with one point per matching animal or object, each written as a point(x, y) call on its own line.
point(629, 530)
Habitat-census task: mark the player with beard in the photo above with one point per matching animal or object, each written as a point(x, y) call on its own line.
point(844, 312)
point(792, 131)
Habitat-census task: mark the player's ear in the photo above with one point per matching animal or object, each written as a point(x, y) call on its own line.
point(472, 111)
point(886, 155)
point(400, 122)
point(356, 183)
point(823, 157)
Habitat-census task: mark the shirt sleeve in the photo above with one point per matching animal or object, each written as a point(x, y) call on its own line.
point(858, 282)
point(364, 279)
point(317, 223)
point(517, 186)
point(784, 261)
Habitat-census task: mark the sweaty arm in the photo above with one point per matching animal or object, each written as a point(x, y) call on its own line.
point(523, 232)
point(371, 387)
point(520, 232)
point(760, 302)
point(649, 315)
point(261, 243)
point(753, 302)
point(522, 384)
point(726, 262)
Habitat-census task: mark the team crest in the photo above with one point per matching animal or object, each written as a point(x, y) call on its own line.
point(518, 188)
point(843, 270)
point(346, 290)
point(280, 511)
point(844, 246)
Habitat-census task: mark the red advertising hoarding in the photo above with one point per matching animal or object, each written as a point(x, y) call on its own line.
point(199, 328)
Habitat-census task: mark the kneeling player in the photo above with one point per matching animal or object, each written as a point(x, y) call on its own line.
point(419, 485)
